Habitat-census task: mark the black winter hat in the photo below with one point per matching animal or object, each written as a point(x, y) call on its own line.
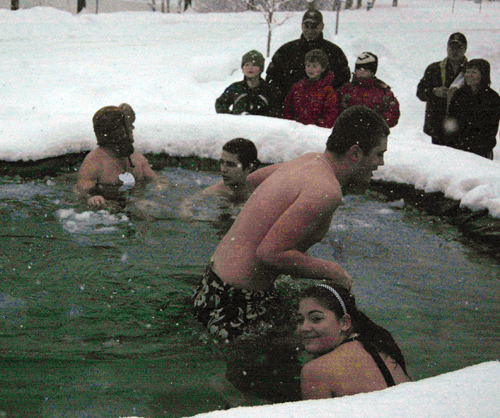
point(255, 57)
point(313, 16)
point(367, 60)
point(457, 37)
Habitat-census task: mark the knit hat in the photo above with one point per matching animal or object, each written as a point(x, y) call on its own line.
point(254, 57)
point(313, 16)
point(368, 61)
point(457, 37)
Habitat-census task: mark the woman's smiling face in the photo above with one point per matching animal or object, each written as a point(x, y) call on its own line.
point(318, 327)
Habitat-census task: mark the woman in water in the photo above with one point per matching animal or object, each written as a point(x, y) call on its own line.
point(351, 353)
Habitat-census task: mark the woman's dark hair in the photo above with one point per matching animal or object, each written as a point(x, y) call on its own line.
point(484, 68)
point(245, 150)
point(357, 125)
point(369, 332)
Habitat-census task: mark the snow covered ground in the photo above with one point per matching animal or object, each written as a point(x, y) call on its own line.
point(58, 68)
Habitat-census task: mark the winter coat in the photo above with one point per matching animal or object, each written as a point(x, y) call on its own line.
point(372, 93)
point(239, 98)
point(473, 120)
point(438, 74)
point(287, 66)
point(313, 102)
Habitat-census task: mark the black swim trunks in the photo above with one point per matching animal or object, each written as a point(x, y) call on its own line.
point(264, 363)
point(228, 312)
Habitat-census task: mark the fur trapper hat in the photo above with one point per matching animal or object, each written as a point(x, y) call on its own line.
point(105, 121)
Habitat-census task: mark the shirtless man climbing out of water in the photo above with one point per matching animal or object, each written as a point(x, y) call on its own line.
point(289, 211)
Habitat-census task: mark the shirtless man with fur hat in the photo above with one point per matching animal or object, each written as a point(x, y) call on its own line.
point(114, 165)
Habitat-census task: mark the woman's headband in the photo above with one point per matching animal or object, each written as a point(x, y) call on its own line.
point(331, 289)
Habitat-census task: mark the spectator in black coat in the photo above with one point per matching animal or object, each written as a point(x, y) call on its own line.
point(287, 65)
point(434, 87)
point(252, 96)
point(474, 112)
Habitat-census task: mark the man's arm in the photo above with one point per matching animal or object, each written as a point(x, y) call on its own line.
point(276, 74)
point(303, 224)
point(88, 175)
point(339, 66)
point(428, 83)
point(145, 170)
point(224, 102)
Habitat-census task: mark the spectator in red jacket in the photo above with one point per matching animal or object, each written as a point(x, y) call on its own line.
point(367, 90)
point(313, 101)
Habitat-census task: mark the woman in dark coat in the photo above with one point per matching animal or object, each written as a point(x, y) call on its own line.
point(474, 112)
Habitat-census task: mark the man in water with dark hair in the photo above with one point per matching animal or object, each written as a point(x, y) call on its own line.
point(237, 161)
point(114, 165)
point(287, 214)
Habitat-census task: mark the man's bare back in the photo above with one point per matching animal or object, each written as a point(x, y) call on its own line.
point(286, 215)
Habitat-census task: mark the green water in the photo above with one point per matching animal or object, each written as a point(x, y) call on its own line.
point(94, 312)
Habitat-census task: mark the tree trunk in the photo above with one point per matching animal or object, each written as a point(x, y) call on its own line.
point(14, 5)
point(359, 4)
point(80, 5)
point(348, 4)
point(394, 3)
point(311, 5)
point(269, 32)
